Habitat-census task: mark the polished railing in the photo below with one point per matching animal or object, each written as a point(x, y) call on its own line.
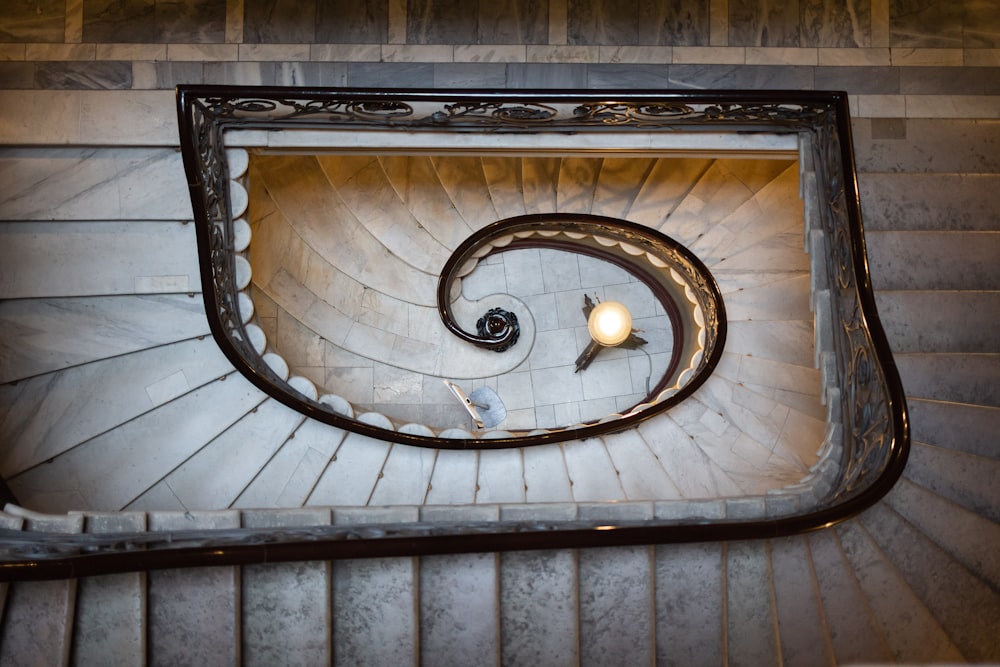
point(873, 423)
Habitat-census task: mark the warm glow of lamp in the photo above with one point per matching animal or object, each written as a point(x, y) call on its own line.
point(609, 323)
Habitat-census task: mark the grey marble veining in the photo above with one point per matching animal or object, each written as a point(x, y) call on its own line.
point(113, 21)
point(92, 184)
point(917, 23)
point(602, 22)
point(982, 24)
point(352, 22)
point(741, 76)
point(949, 80)
point(845, 23)
point(440, 21)
point(42, 335)
point(390, 75)
point(376, 618)
point(513, 22)
point(77, 75)
point(677, 23)
point(546, 75)
point(860, 80)
point(40, 21)
point(764, 23)
point(279, 21)
point(48, 414)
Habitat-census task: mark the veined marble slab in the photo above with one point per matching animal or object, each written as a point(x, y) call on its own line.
point(90, 117)
point(664, 188)
point(643, 476)
point(42, 335)
point(42, 259)
point(589, 466)
point(93, 184)
point(48, 414)
point(91, 475)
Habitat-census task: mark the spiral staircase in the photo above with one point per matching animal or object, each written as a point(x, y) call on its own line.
point(120, 415)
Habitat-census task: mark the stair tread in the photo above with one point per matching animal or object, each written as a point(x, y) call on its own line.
point(616, 600)
point(57, 259)
point(539, 602)
point(972, 378)
point(965, 479)
point(854, 633)
point(51, 413)
point(751, 635)
point(45, 335)
point(966, 536)
point(910, 630)
point(933, 260)
point(967, 610)
point(690, 595)
point(933, 422)
point(801, 625)
point(935, 202)
point(939, 321)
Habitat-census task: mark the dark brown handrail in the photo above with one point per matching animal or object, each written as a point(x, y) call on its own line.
point(871, 464)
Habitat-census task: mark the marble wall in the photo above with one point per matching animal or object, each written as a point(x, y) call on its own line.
point(897, 58)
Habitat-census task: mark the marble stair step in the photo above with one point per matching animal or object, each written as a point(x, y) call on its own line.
point(155, 444)
point(911, 631)
point(934, 423)
point(577, 183)
point(768, 296)
point(56, 259)
point(591, 472)
point(303, 195)
point(38, 616)
point(194, 614)
point(968, 611)
point(967, 537)
point(288, 477)
point(933, 146)
point(774, 210)
point(616, 598)
point(690, 585)
point(539, 178)
point(934, 260)
point(286, 608)
point(940, 320)
point(957, 377)
point(110, 623)
point(643, 476)
point(500, 478)
point(417, 186)
point(93, 184)
point(965, 479)
point(50, 413)
point(464, 179)
point(216, 475)
point(722, 189)
point(350, 476)
point(545, 476)
point(855, 635)
point(937, 203)
point(677, 450)
point(42, 335)
point(376, 600)
point(362, 185)
point(619, 183)
point(459, 599)
point(539, 608)
point(752, 631)
point(802, 629)
point(406, 474)
point(664, 188)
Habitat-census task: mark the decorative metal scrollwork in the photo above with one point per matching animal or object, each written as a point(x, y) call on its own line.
point(495, 324)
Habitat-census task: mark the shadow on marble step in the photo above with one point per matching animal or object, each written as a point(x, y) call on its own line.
point(960, 378)
point(940, 321)
point(964, 479)
point(966, 536)
point(967, 611)
point(952, 146)
point(911, 631)
point(945, 260)
point(964, 428)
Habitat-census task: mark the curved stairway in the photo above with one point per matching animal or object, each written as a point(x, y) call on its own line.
point(134, 410)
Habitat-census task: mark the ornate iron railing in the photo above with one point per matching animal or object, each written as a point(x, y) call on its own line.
point(874, 419)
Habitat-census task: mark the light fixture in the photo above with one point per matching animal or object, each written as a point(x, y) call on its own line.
point(609, 323)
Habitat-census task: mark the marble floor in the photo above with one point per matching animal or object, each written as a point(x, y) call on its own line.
point(544, 390)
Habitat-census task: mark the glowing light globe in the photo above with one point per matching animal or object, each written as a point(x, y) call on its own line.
point(609, 323)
